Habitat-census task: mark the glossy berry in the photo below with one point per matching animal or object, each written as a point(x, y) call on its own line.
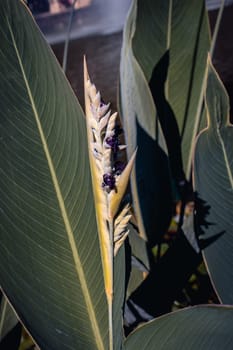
point(109, 181)
point(112, 142)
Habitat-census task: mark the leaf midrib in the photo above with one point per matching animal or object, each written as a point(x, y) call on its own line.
point(68, 229)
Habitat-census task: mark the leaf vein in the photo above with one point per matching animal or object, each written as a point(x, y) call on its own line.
point(68, 228)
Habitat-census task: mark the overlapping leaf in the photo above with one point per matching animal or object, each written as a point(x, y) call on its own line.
point(150, 181)
point(198, 328)
point(213, 181)
point(171, 50)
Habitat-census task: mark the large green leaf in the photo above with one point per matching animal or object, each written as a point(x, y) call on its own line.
point(171, 50)
point(50, 261)
point(213, 182)
point(198, 328)
point(150, 181)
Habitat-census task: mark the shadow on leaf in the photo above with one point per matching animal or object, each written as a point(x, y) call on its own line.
point(153, 184)
point(201, 223)
point(166, 116)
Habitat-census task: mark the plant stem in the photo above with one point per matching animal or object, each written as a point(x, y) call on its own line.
point(110, 323)
point(110, 296)
point(65, 54)
point(216, 28)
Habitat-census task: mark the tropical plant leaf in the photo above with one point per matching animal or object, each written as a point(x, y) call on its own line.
point(197, 328)
point(150, 180)
point(213, 182)
point(50, 261)
point(171, 50)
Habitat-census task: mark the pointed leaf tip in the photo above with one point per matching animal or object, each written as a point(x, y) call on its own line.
point(216, 97)
point(85, 70)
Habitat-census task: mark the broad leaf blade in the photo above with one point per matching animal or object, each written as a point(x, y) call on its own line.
point(150, 180)
point(198, 328)
point(171, 50)
point(213, 181)
point(50, 261)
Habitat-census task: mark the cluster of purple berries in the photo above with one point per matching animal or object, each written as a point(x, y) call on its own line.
point(109, 179)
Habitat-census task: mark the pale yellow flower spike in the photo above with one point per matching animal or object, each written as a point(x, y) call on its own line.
point(110, 179)
point(99, 195)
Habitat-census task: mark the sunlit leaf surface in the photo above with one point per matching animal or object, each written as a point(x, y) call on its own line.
point(50, 264)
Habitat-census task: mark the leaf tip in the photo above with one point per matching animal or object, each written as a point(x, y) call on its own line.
point(121, 184)
point(216, 97)
point(85, 70)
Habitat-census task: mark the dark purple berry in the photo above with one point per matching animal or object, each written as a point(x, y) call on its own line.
point(112, 141)
point(109, 181)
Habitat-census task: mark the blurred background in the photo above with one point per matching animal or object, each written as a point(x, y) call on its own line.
point(96, 31)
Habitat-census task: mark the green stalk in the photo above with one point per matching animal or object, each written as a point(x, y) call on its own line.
point(110, 297)
point(216, 28)
point(110, 324)
point(66, 47)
